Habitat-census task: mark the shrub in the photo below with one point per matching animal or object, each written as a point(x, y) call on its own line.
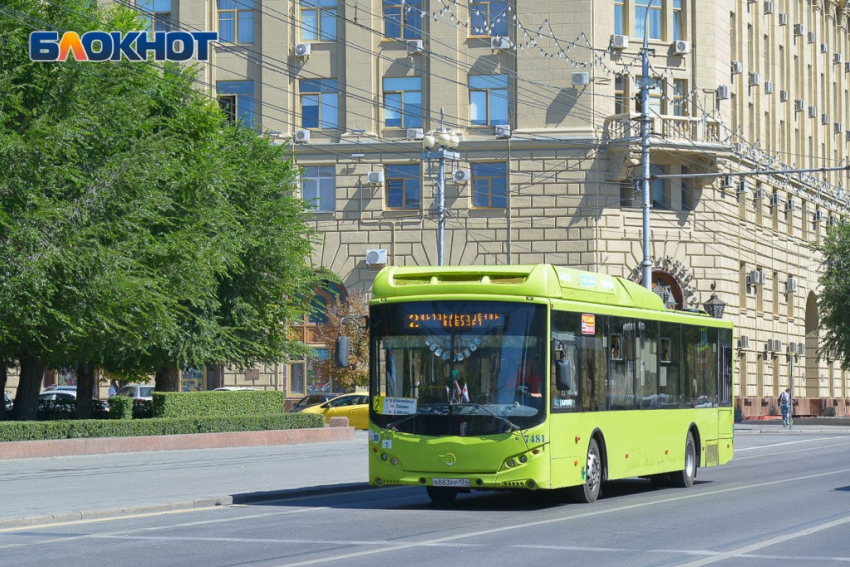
point(204, 404)
point(142, 409)
point(90, 428)
point(120, 407)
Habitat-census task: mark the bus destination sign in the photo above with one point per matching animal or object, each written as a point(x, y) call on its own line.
point(453, 320)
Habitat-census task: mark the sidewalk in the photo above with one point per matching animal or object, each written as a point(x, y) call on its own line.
point(58, 489)
point(800, 427)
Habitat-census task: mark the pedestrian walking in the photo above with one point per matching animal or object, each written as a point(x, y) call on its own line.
point(785, 406)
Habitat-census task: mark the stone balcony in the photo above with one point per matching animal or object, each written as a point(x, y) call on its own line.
point(626, 128)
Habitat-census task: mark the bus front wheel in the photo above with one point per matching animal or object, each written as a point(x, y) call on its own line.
point(441, 494)
point(685, 477)
point(588, 492)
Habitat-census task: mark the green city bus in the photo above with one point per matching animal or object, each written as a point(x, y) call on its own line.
point(540, 377)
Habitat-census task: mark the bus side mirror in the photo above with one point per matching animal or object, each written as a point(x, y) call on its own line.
point(563, 376)
point(343, 345)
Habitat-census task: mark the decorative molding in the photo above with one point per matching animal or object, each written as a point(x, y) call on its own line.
point(678, 273)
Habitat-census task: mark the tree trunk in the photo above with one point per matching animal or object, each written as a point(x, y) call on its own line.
point(168, 379)
point(29, 385)
point(85, 385)
point(4, 375)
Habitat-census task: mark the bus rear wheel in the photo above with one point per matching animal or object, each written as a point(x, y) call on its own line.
point(685, 477)
point(441, 494)
point(588, 492)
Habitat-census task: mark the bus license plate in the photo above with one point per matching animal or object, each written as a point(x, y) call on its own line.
point(453, 482)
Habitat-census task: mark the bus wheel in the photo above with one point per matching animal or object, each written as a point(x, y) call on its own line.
point(441, 494)
point(685, 477)
point(588, 492)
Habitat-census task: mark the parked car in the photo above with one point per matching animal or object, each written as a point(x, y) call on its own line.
point(7, 399)
point(314, 399)
point(353, 406)
point(67, 395)
point(137, 391)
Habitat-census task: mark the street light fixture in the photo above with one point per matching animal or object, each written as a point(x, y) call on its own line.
point(714, 306)
point(441, 145)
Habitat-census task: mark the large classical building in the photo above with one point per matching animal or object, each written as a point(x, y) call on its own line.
point(542, 98)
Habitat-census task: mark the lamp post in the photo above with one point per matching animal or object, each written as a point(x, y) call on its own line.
point(441, 145)
point(714, 306)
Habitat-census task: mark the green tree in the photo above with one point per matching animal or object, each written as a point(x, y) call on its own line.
point(834, 297)
point(139, 231)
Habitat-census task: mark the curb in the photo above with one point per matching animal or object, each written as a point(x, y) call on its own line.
point(45, 519)
point(758, 431)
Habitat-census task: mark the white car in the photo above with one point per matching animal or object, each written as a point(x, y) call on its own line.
point(137, 391)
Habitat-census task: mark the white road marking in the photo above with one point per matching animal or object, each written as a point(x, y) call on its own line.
point(786, 443)
point(789, 452)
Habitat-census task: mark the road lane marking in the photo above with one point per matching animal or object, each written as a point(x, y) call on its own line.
point(790, 452)
point(766, 543)
point(786, 443)
point(514, 527)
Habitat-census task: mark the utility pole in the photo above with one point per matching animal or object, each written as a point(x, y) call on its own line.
point(646, 264)
point(442, 143)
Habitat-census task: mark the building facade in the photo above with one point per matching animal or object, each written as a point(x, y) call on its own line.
point(542, 97)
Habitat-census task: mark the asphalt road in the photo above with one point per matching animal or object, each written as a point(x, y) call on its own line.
point(783, 499)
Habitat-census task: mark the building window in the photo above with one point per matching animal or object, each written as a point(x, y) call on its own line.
point(621, 100)
point(488, 99)
point(659, 193)
point(236, 21)
point(627, 194)
point(490, 185)
point(402, 19)
point(678, 32)
point(619, 20)
point(404, 186)
point(236, 99)
point(318, 20)
point(403, 102)
point(646, 16)
point(318, 187)
point(655, 98)
point(680, 95)
point(489, 18)
point(319, 103)
point(156, 14)
point(688, 197)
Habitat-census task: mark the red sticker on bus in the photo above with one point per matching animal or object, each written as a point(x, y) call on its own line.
point(588, 324)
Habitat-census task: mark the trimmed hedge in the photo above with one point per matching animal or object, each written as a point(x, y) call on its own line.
point(79, 429)
point(205, 404)
point(120, 407)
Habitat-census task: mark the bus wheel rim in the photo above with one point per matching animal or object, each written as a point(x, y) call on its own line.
point(593, 472)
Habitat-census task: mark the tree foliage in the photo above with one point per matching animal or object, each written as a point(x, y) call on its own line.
point(834, 296)
point(356, 306)
point(140, 232)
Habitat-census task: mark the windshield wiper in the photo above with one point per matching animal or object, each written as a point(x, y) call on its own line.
point(514, 427)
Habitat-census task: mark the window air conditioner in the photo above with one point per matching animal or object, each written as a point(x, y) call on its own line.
point(756, 277)
point(503, 131)
point(759, 193)
point(768, 7)
point(619, 41)
point(813, 111)
point(681, 47)
point(768, 87)
point(581, 79)
point(838, 128)
point(799, 105)
point(743, 187)
point(824, 47)
point(790, 205)
point(375, 178)
point(737, 67)
point(811, 37)
point(783, 19)
point(754, 79)
point(461, 175)
point(722, 92)
point(819, 215)
point(798, 29)
point(832, 221)
point(847, 136)
point(302, 136)
point(743, 341)
point(837, 58)
point(376, 257)
point(847, 67)
point(302, 49)
point(415, 134)
point(774, 345)
point(792, 348)
point(824, 118)
point(801, 348)
point(783, 95)
point(415, 46)
point(791, 285)
point(497, 42)
point(775, 199)
point(727, 181)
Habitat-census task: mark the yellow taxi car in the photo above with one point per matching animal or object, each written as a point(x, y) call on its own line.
point(353, 406)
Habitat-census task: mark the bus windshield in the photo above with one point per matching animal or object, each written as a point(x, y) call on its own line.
point(463, 368)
